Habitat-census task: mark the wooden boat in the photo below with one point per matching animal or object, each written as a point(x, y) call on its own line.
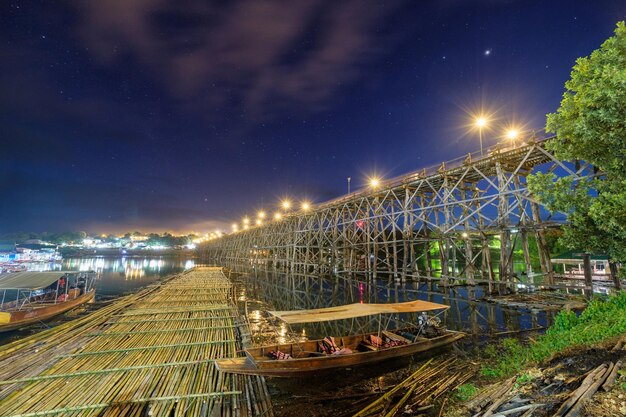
point(306, 357)
point(38, 296)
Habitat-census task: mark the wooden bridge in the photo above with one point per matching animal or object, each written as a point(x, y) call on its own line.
point(147, 354)
point(449, 214)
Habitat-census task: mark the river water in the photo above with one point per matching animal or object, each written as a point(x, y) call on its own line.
point(120, 275)
point(261, 292)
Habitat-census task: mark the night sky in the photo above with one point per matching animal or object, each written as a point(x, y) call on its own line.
point(155, 115)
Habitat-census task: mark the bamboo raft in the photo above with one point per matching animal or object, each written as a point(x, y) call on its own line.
point(150, 353)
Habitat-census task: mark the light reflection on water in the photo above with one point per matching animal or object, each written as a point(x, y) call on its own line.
point(467, 311)
point(119, 275)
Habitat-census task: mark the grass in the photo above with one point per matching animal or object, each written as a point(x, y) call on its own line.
point(601, 320)
point(523, 380)
point(464, 392)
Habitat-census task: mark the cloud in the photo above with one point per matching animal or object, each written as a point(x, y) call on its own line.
point(257, 56)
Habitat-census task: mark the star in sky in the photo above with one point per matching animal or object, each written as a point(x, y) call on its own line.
point(487, 52)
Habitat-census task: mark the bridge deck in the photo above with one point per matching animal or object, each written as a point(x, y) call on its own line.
point(150, 353)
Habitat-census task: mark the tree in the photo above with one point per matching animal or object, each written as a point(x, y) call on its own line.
point(590, 125)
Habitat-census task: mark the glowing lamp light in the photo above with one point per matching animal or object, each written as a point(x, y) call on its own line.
point(481, 122)
point(306, 206)
point(465, 235)
point(245, 227)
point(246, 221)
point(360, 224)
point(286, 204)
point(512, 134)
point(374, 182)
point(261, 214)
point(259, 222)
point(277, 216)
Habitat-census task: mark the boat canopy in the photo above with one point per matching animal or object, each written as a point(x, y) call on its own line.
point(30, 280)
point(354, 310)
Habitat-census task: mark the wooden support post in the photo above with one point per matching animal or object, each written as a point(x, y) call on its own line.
point(525, 250)
point(614, 275)
point(542, 246)
point(406, 235)
point(588, 276)
point(469, 255)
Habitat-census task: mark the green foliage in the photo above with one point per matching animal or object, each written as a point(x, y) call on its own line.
point(465, 392)
point(589, 126)
point(564, 321)
point(590, 121)
point(602, 319)
point(523, 380)
point(490, 372)
point(490, 352)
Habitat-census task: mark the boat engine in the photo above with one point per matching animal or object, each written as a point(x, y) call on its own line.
point(429, 326)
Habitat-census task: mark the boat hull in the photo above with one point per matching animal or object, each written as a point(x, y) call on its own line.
point(15, 319)
point(299, 366)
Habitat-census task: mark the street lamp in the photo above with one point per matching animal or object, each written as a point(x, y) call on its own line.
point(512, 134)
point(349, 179)
point(261, 215)
point(277, 216)
point(286, 204)
point(246, 221)
point(305, 206)
point(374, 182)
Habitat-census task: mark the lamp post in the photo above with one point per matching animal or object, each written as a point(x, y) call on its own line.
point(349, 179)
point(480, 123)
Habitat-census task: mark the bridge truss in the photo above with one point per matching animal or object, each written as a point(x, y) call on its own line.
point(441, 223)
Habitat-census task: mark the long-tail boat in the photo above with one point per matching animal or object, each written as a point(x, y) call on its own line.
point(295, 359)
point(32, 297)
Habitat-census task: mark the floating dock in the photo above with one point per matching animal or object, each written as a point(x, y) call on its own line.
point(147, 354)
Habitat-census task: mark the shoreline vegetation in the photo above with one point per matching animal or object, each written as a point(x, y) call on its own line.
point(572, 369)
point(602, 320)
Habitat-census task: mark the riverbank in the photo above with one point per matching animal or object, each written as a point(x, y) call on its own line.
point(558, 373)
